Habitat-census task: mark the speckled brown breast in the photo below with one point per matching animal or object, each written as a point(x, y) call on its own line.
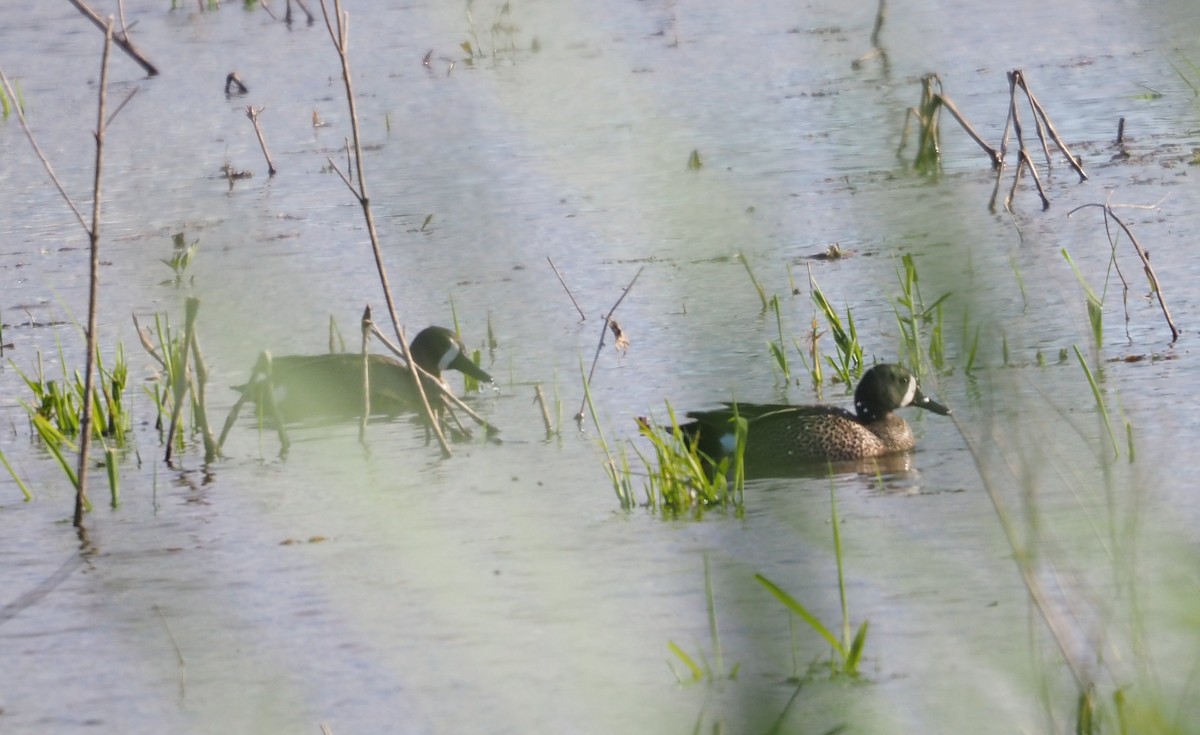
point(819, 435)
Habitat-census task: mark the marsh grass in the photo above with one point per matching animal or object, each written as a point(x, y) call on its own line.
point(470, 384)
point(1100, 405)
point(681, 478)
point(847, 650)
point(777, 348)
point(57, 443)
point(60, 402)
point(758, 288)
point(1083, 535)
point(616, 462)
point(848, 363)
point(182, 382)
point(1095, 304)
point(502, 32)
point(168, 353)
point(927, 113)
point(181, 258)
point(9, 104)
point(25, 491)
point(705, 669)
point(913, 317)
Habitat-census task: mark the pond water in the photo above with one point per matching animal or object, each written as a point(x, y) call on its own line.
point(385, 589)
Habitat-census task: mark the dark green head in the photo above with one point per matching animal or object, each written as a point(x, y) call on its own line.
point(436, 349)
point(886, 387)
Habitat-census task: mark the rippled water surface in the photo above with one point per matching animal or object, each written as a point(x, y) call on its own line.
point(384, 589)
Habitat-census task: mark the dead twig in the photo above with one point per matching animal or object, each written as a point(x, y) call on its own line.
point(1040, 113)
point(119, 38)
point(541, 401)
point(582, 316)
point(600, 345)
point(993, 154)
point(339, 33)
point(1144, 256)
point(252, 113)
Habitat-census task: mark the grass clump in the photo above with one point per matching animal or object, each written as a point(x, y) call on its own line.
point(60, 402)
point(913, 317)
point(848, 364)
point(56, 417)
point(679, 477)
point(182, 383)
point(181, 258)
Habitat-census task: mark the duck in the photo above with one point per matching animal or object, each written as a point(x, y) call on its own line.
point(331, 385)
point(782, 433)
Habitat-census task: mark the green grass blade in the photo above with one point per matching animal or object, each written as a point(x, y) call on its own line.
point(856, 649)
point(114, 477)
point(762, 294)
point(688, 661)
point(1099, 400)
point(794, 605)
point(16, 478)
point(54, 441)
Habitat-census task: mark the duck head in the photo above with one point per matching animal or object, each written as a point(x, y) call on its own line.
point(886, 387)
point(436, 349)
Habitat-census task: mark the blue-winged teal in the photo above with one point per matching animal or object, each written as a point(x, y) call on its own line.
point(308, 386)
point(781, 433)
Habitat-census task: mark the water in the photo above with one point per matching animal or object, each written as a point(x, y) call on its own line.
point(503, 590)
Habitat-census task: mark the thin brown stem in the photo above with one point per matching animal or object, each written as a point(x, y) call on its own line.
point(1145, 258)
point(541, 401)
point(341, 42)
point(1036, 179)
point(582, 316)
point(600, 345)
point(38, 151)
point(252, 113)
point(89, 379)
point(993, 154)
point(1041, 112)
point(121, 39)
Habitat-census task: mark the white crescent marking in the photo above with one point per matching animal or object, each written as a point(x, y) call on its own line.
point(450, 356)
point(912, 392)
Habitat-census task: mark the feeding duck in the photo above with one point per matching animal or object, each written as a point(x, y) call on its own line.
point(779, 433)
point(331, 385)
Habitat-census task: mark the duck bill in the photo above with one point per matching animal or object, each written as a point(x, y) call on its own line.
point(920, 400)
point(463, 364)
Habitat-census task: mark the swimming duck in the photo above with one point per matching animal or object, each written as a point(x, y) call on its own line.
point(779, 433)
point(331, 385)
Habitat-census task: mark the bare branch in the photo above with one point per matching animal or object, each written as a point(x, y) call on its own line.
point(121, 39)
